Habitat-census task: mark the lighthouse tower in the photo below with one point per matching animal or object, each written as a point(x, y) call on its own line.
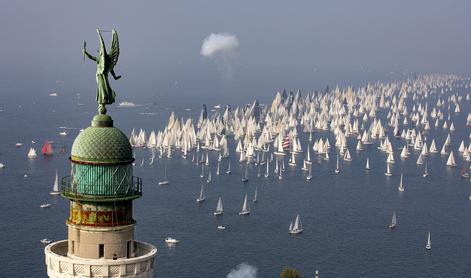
point(101, 188)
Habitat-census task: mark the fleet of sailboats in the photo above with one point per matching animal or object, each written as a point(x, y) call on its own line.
point(350, 115)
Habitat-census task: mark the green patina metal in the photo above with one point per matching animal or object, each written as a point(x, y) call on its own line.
point(102, 143)
point(102, 180)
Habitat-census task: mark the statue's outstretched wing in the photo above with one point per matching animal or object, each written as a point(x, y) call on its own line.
point(102, 45)
point(114, 51)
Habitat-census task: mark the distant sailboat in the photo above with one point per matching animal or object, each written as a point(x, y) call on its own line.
point(401, 185)
point(347, 156)
point(267, 173)
point(219, 208)
point(367, 167)
point(217, 169)
point(209, 179)
point(255, 195)
point(46, 149)
point(451, 160)
point(425, 174)
point(297, 227)
point(32, 153)
point(309, 175)
point(245, 178)
point(201, 197)
point(245, 207)
point(388, 170)
point(229, 168)
point(164, 181)
point(55, 188)
point(428, 246)
point(393, 223)
point(337, 168)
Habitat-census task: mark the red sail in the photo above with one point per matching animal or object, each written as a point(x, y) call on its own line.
point(286, 143)
point(47, 149)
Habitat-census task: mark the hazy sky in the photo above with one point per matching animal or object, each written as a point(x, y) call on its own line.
point(292, 44)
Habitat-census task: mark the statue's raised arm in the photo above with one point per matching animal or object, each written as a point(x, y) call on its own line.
point(105, 64)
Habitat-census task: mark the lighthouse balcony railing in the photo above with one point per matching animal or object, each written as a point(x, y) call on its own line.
point(70, 190)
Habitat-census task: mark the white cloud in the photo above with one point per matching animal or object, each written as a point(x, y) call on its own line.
point(219, 44)
point(243, 270)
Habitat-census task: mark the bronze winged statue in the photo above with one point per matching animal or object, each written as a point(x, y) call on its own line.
point(104, 64)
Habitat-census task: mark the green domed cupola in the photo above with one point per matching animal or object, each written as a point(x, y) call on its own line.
point(102, 160)
point(101, 143)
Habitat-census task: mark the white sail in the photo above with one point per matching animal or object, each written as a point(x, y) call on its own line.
point(428, 246)
point(451, 160)
point(367, 167)
point(297, 227)
point(347, 156)
point(393, 221)
point(401, 185)
point(425, 174)
point(309, 175)
point(219, 208)
point(337, 168)
point(255, 195)
point(420, 160)
point(388, 170)
point(209, 177)
point(245, 207)
point(32, 153)
point(201, 197)
point(267, 173)
point(55, 187)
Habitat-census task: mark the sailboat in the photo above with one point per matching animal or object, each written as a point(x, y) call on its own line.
point(164, 181)
point(292, 161)
point(202, 171)
point(297, 227)
point(201, 198)
point(393, 221)
point(347, 156)
point(367, 167)
point(209, 179)
point(245, 178)
point(55, 188)
point(217, 169)
point(425, 174)
point(32, 153)
point(388, 170)
point(229, 168)
point(428, 246)
point(255, 195)
point(401, 186)
point(451, 160)
point(46, 149)
point(337, 168)
point(308, 156)
point(219, 209)
point(309, 175)
point(267, 173)
point(245, 207)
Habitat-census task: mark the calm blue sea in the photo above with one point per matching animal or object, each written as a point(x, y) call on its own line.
point(345, 216)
